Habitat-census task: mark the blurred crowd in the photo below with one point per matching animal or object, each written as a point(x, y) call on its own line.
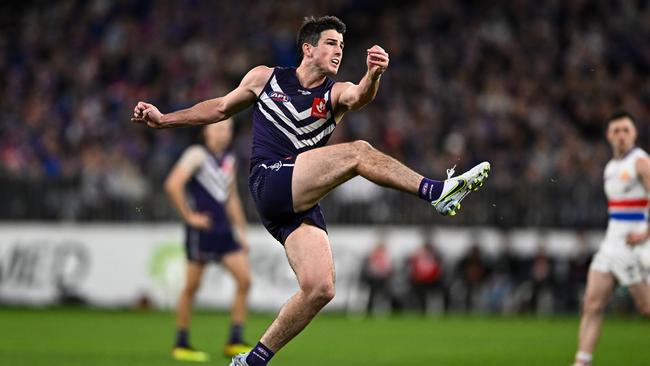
point(523, 84)
point(505, 281)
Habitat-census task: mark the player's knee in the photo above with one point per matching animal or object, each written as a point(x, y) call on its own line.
point(359, 149)
point(324, 294)
point(361, 146)
point(192, 287)
point(593, 307)
point(244, 283)
point(320, 293)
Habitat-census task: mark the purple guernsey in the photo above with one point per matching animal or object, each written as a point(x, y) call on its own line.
point(289, 119)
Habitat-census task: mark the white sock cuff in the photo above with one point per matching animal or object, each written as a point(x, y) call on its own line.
point(583, 356)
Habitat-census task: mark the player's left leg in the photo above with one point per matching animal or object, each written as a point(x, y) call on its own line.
point(318, 171)
point(182, 349)
point(641, 294)
point(237, 264)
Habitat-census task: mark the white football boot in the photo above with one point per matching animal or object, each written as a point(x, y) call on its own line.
point(457, 188)
point(239, 360)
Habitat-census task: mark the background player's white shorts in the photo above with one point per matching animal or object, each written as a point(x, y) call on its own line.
point(624, 264)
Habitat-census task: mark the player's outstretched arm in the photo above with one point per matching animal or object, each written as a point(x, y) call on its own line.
point(209, 111)
point(643, 168)
point(348, 96)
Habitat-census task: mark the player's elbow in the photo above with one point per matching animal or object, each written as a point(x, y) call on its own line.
point(210, 111)
point(170, 186)
point(357, 108)
point(219, 113)
point(356, 99)
point(359, 103)
point(214, 114)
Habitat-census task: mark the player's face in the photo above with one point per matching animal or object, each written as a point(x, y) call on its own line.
point(621, 134)
point(217, 135)
point(328, 53)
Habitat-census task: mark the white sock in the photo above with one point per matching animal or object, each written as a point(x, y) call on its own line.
point(583, 358)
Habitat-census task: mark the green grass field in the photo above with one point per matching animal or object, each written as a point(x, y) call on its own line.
point(71, 337)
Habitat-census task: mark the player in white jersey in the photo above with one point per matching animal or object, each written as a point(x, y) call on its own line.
point(203, 189)
point(620, 257)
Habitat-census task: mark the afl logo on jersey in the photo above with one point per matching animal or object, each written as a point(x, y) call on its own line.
point(279, 97)
point(319, 108)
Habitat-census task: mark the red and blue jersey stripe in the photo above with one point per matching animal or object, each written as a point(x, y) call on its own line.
point(629, 210)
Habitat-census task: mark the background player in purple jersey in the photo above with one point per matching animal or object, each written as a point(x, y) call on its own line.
point(203, 189)
point(292, 170)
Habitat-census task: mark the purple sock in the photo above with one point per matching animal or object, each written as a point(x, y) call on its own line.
point(182, 338)
point(236, 331)
point(259, 356)
point(430, 190)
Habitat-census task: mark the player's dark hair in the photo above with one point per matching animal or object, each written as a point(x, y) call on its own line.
point(312, 27)
point(618, 115)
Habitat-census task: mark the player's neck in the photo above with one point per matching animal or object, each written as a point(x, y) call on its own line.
point(309, 76)
point(216, 150)
point(620, 154)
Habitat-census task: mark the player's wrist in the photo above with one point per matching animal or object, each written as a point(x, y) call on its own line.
point(188, 216)
point(163, 119)
point(373, 75)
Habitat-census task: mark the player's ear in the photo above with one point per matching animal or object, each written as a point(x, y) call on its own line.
point(307, 49)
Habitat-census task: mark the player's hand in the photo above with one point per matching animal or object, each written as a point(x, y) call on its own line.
point(377, 61)
point(634, 239)
point(199, 220)
point(147, 113)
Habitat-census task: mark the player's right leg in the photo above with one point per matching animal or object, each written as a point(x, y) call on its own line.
point(237, 264)
point(318, 171)
point(182, 350)
point(309, 254)
point(600, 286)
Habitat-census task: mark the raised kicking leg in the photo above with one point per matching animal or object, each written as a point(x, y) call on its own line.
point(318, 171)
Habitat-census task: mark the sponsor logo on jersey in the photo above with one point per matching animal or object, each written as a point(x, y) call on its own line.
point(304, 92)
point(279, 97)
point(319, 108)
point(624, 176)
point(228, 164)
